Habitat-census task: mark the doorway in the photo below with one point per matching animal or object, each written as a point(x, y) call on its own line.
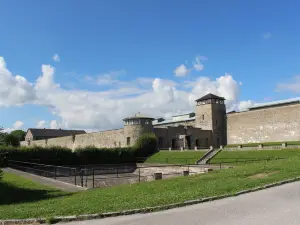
point(188, 142)
point(173, 143)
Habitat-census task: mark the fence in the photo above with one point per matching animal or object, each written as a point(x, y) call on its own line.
point(92, 176)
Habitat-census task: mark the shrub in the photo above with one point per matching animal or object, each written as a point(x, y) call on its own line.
point(146, 145)
point(1, 174)
point(93, 155)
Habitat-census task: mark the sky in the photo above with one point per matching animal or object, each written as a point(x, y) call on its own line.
point(88, 64)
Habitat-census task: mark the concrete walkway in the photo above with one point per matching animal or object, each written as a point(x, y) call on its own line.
point(46, 181)
point(273, 206)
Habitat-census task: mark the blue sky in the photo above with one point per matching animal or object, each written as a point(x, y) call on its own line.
point(118, 57)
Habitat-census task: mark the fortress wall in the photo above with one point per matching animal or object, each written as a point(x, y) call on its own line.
point(61, 141)
point(104, 139)
point(40, 143)
point(280, 123)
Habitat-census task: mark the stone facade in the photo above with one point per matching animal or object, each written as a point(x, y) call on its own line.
point(208, 126)
point(277, 123)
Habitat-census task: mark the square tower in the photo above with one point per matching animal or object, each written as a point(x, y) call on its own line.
point(211, 115)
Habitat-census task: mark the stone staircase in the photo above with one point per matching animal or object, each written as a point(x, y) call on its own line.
point(208, 155)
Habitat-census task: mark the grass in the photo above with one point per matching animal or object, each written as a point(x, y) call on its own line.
point(264, 144)
point(124, 197)
point(234, 156)
point(172, 157)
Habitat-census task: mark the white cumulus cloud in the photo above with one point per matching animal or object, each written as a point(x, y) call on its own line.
point(101, 110)
point(15, 90)
point(16, 126)
point(181, 71)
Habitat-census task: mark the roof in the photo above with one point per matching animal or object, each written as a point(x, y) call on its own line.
point(275, 103)
point(185, 114)
point(138, 116)
point(173, 121)
point(53, 132)
point(209, 96)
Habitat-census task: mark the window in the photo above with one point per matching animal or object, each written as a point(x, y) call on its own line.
point(147, 122)
point(216, 122)
point(128, 140)
point(203, 117)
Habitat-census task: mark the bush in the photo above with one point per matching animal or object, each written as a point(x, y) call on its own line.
point(1, 174)
point(146, 145)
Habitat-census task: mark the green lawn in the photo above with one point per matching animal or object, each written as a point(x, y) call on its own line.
point(178, 157)
point(264, 144)
point(15, 203)
point(240, 156)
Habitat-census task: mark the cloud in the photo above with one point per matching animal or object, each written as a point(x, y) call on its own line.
point(16, 126)
point(15, 90)
point(267, 35)
point(41, 124)
point(292, 86)
point(56, 58)
point(101, 110)
point(54, 124)
point(198, 66)
point(181, 71)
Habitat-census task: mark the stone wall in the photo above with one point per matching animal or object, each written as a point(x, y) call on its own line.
point(104, 139)
point(273, 124)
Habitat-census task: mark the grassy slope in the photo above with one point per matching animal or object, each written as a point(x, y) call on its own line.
point(170, 157)
point(143, 194)
point(231, 156)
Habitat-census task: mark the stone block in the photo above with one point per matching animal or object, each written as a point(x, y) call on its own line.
point(283, 145)
point(211, 147)
point(196, 148)
point(221, 147)
point(170, 149)
point(260, 146)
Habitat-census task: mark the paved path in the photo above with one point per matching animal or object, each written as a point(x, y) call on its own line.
point(46, 181)
point(273, 206)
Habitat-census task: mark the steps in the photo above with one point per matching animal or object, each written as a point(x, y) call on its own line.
point(209, 155)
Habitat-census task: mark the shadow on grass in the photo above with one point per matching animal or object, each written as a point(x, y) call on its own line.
point(10, 194)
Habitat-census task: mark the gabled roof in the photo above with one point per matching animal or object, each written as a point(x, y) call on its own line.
point(53, 132)
point(209, 96)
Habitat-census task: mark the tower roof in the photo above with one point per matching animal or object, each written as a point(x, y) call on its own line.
point(209, 96)
point(138, 116)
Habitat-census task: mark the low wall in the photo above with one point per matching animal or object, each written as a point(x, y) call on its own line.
point(262, 148)
point(104, 139)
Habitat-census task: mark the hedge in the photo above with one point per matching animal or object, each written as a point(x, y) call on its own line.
point(145, 146)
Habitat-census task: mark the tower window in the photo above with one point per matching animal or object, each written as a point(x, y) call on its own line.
point(203, 117)
point(128, 140)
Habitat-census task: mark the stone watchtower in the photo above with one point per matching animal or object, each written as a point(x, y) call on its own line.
point(135, 126)
point(211, 115)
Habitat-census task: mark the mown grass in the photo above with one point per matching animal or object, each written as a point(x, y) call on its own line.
point(147, 194)
point(264, 144)
point(241, 156)
point(178, 157)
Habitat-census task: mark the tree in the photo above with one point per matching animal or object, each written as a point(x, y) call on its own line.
point(11, 140)
point(20, 134)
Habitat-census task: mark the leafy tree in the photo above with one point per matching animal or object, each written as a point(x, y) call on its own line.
point(11, 140)
point(20, 134)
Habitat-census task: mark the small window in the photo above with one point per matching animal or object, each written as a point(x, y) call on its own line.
point(147, 122)
point(203, 117)
point(128, 140)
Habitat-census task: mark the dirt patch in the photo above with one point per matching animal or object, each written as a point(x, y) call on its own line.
point(262, 175)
